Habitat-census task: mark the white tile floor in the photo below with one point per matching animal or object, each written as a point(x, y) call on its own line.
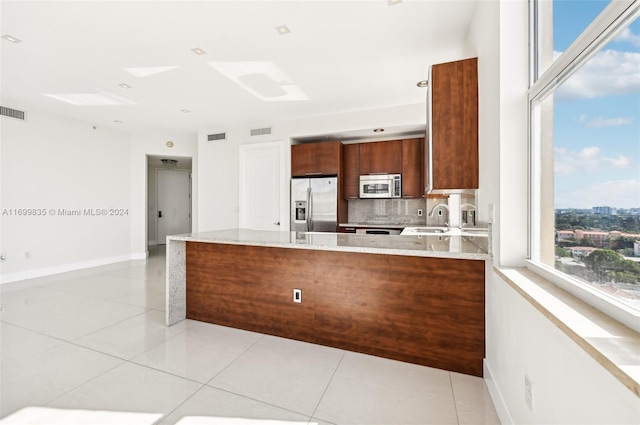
point(90, 346)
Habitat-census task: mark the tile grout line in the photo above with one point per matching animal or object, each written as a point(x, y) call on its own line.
point(85, 382)
point(256, 400)
point(313, 415)
point(236, 359)
point(163, 417)
point(453, 395)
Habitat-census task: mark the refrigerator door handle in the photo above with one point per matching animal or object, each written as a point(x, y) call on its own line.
point(310, 208)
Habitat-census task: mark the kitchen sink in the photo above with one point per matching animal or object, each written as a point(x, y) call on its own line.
point(446, 231)
point(428, 230)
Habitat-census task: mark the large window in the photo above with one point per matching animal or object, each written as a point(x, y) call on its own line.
point(585, 133)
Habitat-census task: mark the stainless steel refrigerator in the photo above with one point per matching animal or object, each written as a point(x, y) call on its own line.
point(314, 204)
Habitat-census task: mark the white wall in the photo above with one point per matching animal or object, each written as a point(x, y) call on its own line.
point(219, 161)
point(568, 385)
point(142, 146)
point(56, 163)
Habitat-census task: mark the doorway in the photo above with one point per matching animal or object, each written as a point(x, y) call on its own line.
point(169, 198)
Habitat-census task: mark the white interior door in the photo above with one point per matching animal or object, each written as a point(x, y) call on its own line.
point(174, 203)
point(261, 181)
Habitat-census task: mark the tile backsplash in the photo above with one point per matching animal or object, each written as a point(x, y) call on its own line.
point(387, 211)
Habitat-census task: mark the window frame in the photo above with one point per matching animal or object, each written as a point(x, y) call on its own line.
point(604, 28)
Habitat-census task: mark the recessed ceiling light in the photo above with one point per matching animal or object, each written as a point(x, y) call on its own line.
point(198, 51)
point(11, 39)
point(125, 86)
point(378, 130)
point(393, 2)
point(283, 29)
point(423, 83)
point(186, 111)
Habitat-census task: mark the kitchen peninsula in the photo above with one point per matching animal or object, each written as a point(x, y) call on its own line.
point(418, 299)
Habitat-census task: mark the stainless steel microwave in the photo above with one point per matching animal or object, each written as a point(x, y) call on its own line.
point(381, 186)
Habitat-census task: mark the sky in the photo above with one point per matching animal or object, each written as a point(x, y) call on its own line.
point(597, 116)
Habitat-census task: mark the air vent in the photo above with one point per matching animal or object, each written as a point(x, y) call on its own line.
point(13, 113)
point(260, 131)
point(217, 136)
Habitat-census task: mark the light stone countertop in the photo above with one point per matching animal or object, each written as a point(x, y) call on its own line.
point(459, 247)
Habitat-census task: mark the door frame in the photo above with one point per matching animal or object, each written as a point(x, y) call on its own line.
point(283, 181)
point(184, 170)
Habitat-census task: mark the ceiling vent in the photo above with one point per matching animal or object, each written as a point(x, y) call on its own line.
point(261, 131)
point(13, 113)
point(217, 136)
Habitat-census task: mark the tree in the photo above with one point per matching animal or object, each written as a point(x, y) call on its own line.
point(603, 260)
point(623, 242)
point(561, 252)
point(625, 252)
point(587, 242)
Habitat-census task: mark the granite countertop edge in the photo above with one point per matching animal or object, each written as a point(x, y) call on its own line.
point(212, 237)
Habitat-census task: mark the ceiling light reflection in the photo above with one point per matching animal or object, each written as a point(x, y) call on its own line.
point(90, 99)
point(264, 80)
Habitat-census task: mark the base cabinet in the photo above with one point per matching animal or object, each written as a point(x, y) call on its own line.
point(428, 311)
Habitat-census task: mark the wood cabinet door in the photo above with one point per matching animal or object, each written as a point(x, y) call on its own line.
point(351, 179)
point(454, 124)
point(315, 159)
point(412, 169)
point(381, 157)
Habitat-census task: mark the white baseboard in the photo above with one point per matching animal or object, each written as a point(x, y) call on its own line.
point(47, 271)
point(496, 396)
point(140, 255)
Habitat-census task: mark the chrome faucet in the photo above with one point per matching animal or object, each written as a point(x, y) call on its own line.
point(438, 206)
point(433, 210)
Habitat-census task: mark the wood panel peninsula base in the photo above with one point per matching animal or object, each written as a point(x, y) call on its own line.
point(414, 308)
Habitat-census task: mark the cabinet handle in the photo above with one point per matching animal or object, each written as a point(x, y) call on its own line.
point(379, 174)
point(312, 174)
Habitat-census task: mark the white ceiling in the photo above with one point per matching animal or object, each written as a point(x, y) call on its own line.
point(342, 55)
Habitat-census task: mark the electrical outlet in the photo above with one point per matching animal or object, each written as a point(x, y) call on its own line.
point(439, 213)
point(528, 391)
point(3, 257)
point(419, 212)
point(297, 295)
point(27, 255)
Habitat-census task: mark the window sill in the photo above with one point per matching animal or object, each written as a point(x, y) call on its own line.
point(612, 344)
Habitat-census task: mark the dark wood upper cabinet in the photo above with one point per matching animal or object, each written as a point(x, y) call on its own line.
point(454, 125)
point(314, 159)
point(351, 179)
point(381, 157)
point(412, 168)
